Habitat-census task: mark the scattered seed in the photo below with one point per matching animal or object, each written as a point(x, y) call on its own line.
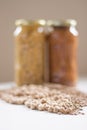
point(60, 100)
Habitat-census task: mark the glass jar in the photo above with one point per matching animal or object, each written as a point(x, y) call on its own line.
point(29, 52)
point(63, 42)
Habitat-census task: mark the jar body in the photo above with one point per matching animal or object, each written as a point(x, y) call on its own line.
point(29, 54)
point(63, 43)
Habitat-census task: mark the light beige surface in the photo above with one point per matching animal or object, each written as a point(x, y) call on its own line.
point(13, 117)
point(34, 9)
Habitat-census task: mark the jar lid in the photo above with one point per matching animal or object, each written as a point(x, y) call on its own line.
point(67, 22)
point(29, 22)
point(40, 21)
point(22, 22)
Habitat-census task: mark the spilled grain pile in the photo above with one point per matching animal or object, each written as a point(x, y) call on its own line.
point(59, 99)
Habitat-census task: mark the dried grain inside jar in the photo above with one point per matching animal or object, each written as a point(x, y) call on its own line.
point(63, 42)
point(29, 52)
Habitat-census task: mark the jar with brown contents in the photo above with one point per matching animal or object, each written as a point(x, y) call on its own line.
point(63, 41)
point(29, 52)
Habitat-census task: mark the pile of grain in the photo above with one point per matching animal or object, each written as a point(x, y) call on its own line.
point(61, 100)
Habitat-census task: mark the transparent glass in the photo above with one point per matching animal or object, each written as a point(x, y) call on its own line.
point(29, 54)
point(63, 42)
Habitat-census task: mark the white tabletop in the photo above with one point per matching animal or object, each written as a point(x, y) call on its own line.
point(18, 117)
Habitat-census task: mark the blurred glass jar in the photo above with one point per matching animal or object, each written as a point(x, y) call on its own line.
point(63, 42)
point(29, 51)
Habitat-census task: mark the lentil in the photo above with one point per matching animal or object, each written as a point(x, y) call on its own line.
point(59, 99)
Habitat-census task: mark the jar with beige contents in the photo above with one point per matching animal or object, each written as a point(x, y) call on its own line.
point(29, 52)
point(63, 42)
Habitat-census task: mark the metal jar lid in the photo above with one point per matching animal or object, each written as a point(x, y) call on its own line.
point(67, 22)
point(29, 22)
